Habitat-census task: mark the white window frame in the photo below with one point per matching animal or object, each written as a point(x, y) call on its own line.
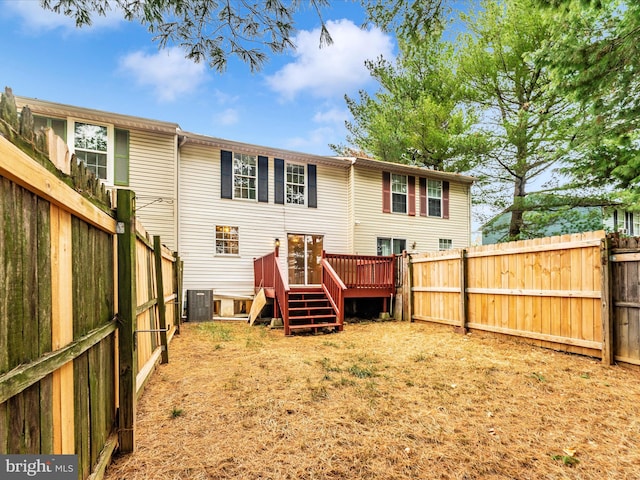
point(242, 157)
point(632, 224)
point(445, 244)
point(405, 193)
point(292, 185)
point(226, 237)
point(430, 197)
point(392, 242)
point(71, 137)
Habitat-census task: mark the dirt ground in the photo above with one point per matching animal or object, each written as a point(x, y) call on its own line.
point(389, 400)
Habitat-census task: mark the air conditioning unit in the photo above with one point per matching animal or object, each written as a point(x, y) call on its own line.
point(199, 305)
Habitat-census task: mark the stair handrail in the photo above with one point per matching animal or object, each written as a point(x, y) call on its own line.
point(281, 290)
point(268, 274)
point(334, 288)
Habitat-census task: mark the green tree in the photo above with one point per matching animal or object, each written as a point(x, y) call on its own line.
point(594, 59)
point(415, 117)
point(529, 124)
point(483, 102)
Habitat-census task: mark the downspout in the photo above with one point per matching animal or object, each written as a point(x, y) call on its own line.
point(352, 203)
point(180, 141)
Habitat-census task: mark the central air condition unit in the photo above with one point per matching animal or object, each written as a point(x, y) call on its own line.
point(199, 305)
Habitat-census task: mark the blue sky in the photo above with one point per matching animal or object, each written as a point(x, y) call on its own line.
point(295, 102)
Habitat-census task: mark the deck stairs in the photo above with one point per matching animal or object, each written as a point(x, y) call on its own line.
point(310, 308)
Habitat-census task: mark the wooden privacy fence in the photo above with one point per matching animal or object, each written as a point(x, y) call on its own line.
point(625, 265)
point(69, 364)
point(571, 292)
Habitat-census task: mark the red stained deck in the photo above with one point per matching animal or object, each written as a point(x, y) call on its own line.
point(343, 276)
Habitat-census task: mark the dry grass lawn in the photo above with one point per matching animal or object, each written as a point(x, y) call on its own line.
point(392, 400)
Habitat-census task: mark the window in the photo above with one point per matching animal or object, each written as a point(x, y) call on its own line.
point(631, 223)
point(59, 126)
point(244, 176)
point(295, 184)
point(398, 193)
point(445, 244)
point(102, 148)
point(90, 146)
point(390, 246)
point(227, 240)
point(434, 202)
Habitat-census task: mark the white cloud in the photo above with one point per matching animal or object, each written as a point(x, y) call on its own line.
point(331, 70)
point(227, 117)
point(332, 115)
point(168, 72)
point(35, 18)
point(224, 98)
point(315, 141)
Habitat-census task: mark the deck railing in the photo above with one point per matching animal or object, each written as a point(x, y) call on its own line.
point(268, 274)
point(334, 288)
point(363, 271)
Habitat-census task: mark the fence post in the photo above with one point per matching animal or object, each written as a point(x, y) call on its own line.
point(127, 304)
point(463, 291)
point(407, 307)
point(177, 286)
point(608, 353)
point(162, 308)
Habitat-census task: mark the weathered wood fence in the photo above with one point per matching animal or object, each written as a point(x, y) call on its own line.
point(625, 264)
point(572, 292)
point(67, 350)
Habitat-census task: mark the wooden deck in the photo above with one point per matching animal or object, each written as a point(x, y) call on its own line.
point(343, 276)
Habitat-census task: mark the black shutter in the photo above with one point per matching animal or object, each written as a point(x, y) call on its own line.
point(278, 176)
point(226, 174)
point(313, 186)
point(263, 179)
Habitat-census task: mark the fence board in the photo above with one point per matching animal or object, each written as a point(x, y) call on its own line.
point(626, 299)
point(59, 369)
point(547, 290)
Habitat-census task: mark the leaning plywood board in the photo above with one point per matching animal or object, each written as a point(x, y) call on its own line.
point(256, 307)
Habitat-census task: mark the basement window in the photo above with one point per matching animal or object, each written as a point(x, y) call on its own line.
point(445, 244)
point(227, 240)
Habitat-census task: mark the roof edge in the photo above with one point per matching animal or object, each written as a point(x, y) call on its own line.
point(44, 107)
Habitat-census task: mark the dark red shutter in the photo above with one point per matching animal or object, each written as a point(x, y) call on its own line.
point(386, 192)
point(412, 196)
point(423, 197)
point(445, 199)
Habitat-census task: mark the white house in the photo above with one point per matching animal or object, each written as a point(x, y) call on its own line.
point(220, 204)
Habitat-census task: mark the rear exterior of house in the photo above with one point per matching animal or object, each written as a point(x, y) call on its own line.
point(125, 152)
point(237, 200)
point(221, 204)
point(399, 207)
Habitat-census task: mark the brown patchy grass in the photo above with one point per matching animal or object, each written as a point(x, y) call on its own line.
point(380, 401)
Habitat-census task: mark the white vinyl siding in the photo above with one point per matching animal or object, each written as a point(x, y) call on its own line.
point(258, 223)
point(371, 223)
point(152, 175)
